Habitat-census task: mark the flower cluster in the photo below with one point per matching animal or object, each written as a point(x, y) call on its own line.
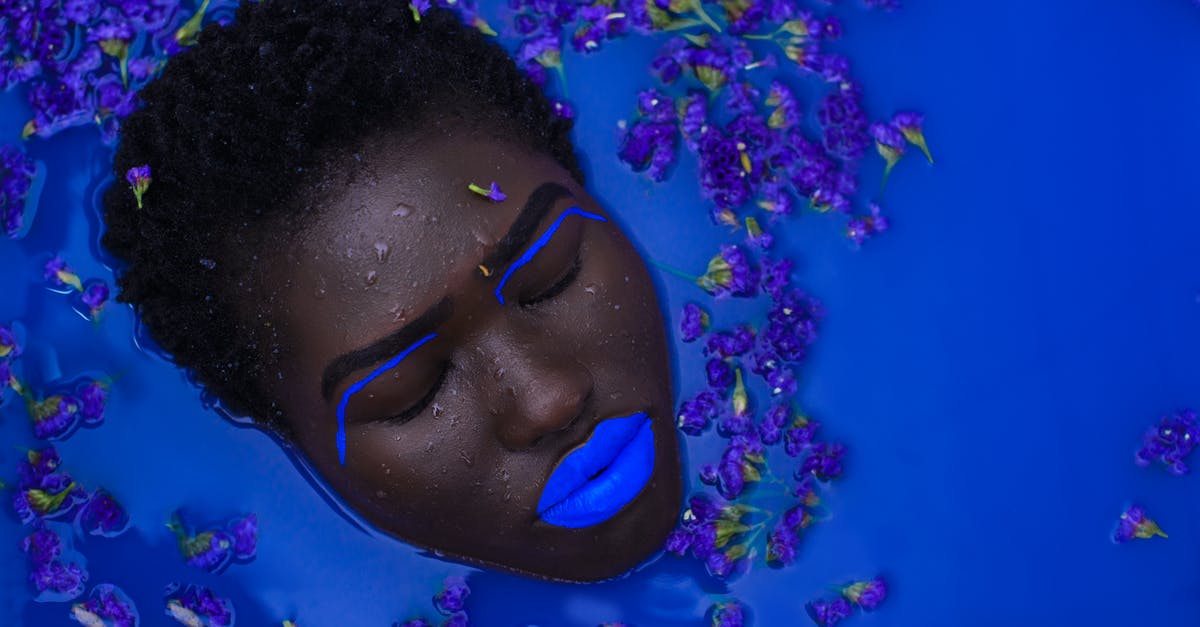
point(92, 296)
point(450, 602)
point(197, 605)
point(16, 179)
point(56, 416)
point(1134, 523)
point(865, 595)
point(1170, 442)
point(108, 605)
point(139, 179)
point(52, 576)
point(751, 147)
point(83, 62)
point(214, 549)
point(727, 534)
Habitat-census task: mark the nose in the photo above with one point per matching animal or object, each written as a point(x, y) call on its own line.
point(540, 394)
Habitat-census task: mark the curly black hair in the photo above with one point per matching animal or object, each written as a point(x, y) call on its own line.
point(261, 108)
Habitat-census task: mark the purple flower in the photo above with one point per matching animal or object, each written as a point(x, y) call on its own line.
point(860, 228)
point(42, 546)
point(730, 344)
point(65, 581)
point(889, 142)
point(720, 374)
point(107, 603)
point(730, 273)
point(208, 550)
point(102, 515)
point(696, 413)
point(1135, 524)
point(866, 594)
point(829, 612)
point(16, 176)
point(910, 125)
point(92, 398)
point(563, 110)
point(728, 614)
point(95, 296)
point(650, 144)
point(244, 532)
point(419, 7)
point(843, 124)
point(54, 416)
point(787, 109)
point(59, 275)
point(781, 545)
point(453, 596)
point(203, 603)
point(692, 326)
point(718, 564)
point(1170, 442)
point(9, 347)
point(824, 461)
point(756, 236)
point(492, 193)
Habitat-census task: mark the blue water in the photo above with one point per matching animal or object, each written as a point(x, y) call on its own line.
point(991, 361)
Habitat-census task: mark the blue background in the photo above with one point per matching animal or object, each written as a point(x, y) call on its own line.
point(991, 361)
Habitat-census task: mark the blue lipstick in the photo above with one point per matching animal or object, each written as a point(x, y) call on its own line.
point(592, 483)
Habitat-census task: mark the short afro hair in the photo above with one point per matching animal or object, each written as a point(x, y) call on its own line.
point(259, 106)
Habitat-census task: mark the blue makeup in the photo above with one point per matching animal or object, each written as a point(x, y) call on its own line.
point(592, 483)
point(360, 384)
point(541, 243)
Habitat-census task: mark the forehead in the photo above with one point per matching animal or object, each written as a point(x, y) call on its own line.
point(396, 226)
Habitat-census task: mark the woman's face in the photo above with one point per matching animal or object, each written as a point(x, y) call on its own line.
point(458, 408)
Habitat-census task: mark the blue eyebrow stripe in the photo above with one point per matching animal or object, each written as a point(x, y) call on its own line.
point(540, 244)
point(360, 384)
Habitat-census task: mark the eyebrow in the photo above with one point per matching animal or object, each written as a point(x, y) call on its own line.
point(541, 243)
point(539, 204)
point(387, 346)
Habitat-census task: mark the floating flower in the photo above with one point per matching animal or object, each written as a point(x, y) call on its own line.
point(9, 347)
point(59, 275)
point(1135, 524)
point(245, 536)
point(696, 413)
point(909, 123)
point(728, 614)
point(16, 179)
point(198, 605)
point(866, 594)
point(860, 228)
point(208, 550)
point(7, 378)
point(756, 236)
point(492, 193)
point(92, 397)
point(54, 416)
point(694, 323)
point(58, 581)
point(889, 142)
point(1170, 442)
point(42, 546)
point(103, 516)
point(107, 606)
point(44, 491)
point(95, 296)
point(730, 273)
point(829, 612)
point(823, 462)
point(418, 8)
point(453, 595)
point(650, 144)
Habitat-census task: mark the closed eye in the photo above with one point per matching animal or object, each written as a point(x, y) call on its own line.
point(420, 406)
point(559, 286)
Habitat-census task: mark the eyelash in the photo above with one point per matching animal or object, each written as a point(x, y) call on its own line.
point(559, 287)
point(421, 405)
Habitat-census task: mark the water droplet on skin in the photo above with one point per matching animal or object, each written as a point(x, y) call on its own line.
point(507, 497)
point(381, 494)
point(499, 373)
point(387, 471)
point(466, 458)
point(319, 293)
point(617, 307)
point(402, 210)
point(590, 289)
point(382, 251)
point(505, 476)
point(416, 283)
point(437, 410)
point(371, 277)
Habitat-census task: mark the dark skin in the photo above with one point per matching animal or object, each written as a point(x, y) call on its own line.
point(450, 449)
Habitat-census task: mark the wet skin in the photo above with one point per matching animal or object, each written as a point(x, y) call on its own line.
point(451, 448)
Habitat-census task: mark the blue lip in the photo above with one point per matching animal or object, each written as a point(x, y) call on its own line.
point(592, 483)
